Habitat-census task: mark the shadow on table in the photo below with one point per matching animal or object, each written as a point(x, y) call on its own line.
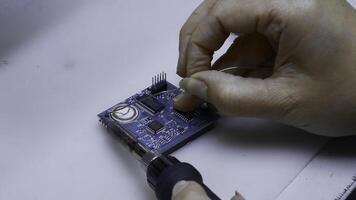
point(340, 148)
point(262, 134)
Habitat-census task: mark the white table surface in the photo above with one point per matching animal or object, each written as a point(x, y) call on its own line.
point(63, 62)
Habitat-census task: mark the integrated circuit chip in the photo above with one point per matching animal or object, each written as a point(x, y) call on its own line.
point(186, 116)
point(150, 103)
point(155, 126)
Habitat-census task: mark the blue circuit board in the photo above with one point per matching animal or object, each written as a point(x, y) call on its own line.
point(150, 119)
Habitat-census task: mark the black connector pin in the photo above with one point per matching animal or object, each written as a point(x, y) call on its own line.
point(159, 83)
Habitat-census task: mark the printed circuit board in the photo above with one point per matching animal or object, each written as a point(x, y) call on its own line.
point(149, 119)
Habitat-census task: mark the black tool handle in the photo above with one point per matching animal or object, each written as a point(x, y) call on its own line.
point(164, 172)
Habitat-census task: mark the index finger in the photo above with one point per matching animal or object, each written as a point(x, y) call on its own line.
point(236, 16)
point(187, 29)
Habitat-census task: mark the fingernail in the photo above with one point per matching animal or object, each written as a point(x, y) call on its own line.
point(194, 87)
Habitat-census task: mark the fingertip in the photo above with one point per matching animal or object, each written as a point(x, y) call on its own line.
point(188, 190)
point(195, 87)
point(186, 102)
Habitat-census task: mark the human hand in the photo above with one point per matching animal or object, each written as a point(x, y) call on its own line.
point(312, 43)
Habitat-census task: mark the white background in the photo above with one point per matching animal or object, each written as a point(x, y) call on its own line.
point(63, 62)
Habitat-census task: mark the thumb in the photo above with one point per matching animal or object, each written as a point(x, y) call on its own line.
point(269, 98)
point(187, 190)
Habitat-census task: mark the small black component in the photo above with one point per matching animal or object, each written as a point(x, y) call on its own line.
point(155, 126)
point(186, 116)
point(146, 120)
point(180, 129)
point(151, 103)
point(159, 83)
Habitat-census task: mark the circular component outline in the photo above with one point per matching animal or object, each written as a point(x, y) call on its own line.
point(131, 108)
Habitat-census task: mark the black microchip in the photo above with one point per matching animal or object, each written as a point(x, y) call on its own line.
point(155, 126)
point(151, 103)
point(186, 116)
